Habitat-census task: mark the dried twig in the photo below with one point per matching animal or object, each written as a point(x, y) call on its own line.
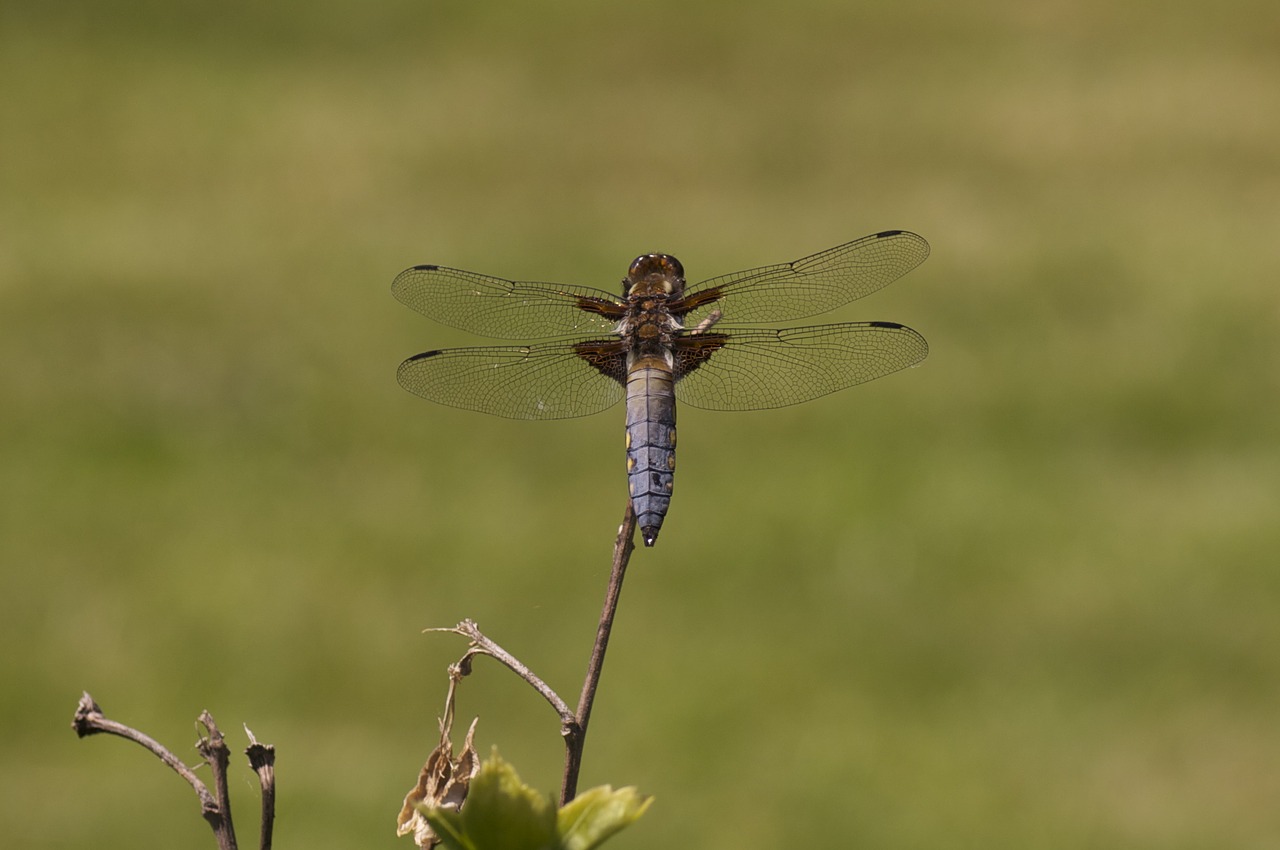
point(575, 742)
point(483, 645)
point(262, 758)
point(215, 808)
point(573, 724)
point(213, 748)
point(89, 720)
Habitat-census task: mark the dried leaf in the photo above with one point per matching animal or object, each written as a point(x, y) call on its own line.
point(442, 784)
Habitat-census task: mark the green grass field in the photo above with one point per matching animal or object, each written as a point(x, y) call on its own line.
point(1024, 596)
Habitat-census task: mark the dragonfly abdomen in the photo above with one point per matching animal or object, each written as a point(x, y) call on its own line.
point(651, 443)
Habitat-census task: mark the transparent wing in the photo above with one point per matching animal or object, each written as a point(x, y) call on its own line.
point(555, 380)
point(753, 369)
point(811, 285)
point(506, 309)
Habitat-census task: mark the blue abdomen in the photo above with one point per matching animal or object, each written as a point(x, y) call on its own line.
point(651, 444)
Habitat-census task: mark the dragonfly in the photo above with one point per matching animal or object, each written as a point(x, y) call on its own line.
point(659, 342)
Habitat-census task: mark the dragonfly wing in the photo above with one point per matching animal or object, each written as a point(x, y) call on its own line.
point(506, 309)
point(810, 285)
point(754, 369)
point(555, 380)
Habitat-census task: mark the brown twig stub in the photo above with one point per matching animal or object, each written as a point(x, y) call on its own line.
point(213, 749)
point(262, 758)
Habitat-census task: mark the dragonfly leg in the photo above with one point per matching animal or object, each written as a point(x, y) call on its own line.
point(712, 317)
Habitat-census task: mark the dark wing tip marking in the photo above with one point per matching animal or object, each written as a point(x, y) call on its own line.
point(923, 352)
point(924, 243)
point(423, 356)
point(426, 268)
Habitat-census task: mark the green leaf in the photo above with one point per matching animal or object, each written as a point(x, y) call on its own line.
point(500, 813)
point(597, 814)
point(447, 825)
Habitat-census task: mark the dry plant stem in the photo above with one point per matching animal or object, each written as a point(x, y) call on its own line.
point(89, 720)
point(573, 725)
point(482, 645)
point(214, 749)
point(575, 735)
point(262, 758)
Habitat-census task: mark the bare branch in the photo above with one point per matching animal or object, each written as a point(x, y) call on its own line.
point(89, 720)
point(483, 645)
point(576, 734)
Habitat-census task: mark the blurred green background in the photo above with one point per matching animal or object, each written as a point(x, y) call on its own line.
point(1023, 596)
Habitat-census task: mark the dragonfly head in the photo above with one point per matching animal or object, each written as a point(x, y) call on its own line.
point(654, 274)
